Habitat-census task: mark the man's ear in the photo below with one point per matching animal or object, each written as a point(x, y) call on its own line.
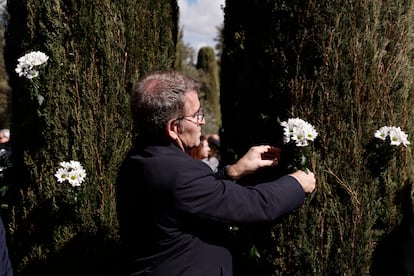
point(172, 129)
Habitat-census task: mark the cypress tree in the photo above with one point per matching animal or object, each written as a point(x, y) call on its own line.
point(207, 63)
point(4, 87)
point(346, 68)
point(96, 49)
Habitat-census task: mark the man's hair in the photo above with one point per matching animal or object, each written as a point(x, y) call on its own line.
point(157, 98)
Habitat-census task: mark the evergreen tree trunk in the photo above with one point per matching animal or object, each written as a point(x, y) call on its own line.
point(346, 68)
point(96, 49)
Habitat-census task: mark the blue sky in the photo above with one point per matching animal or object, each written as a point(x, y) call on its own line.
point(199, 20)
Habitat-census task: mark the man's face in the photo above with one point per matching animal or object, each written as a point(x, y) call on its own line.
point(190, 123)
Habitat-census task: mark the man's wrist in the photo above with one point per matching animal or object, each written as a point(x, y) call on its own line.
point(230, 172)
point(226, 172)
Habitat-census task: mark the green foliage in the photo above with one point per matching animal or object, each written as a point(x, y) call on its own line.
point(206, 71)
point(96, 49)
point(4, 87)
point(346, 68)
point(207, 63)
point(184, 57)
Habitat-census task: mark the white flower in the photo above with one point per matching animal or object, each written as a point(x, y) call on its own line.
point(382, 133)
point(61, 175)
point(71, 171)
point(298, 130)
point(74, 179)
point(26, 71)
point(28, 62)
point(34, 58)
point(75, 165)
point(396, 135)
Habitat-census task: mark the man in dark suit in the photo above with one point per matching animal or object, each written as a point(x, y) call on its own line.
point(174, 211)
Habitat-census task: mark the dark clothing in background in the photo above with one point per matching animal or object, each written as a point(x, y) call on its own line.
point(394, 254)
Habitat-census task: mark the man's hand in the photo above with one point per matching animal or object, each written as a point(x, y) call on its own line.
point(306, 179)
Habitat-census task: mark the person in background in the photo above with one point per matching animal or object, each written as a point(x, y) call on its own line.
point(202, 151)
point(214, 155)
point(5, 149)
point(174, 212)
point(4, 137)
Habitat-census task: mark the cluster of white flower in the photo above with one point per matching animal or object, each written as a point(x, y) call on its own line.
point(28, 63)
point(396, 135)
point(71, 171)
point(298, 130)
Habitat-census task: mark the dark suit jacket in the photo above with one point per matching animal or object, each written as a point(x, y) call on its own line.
point(175, 212)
